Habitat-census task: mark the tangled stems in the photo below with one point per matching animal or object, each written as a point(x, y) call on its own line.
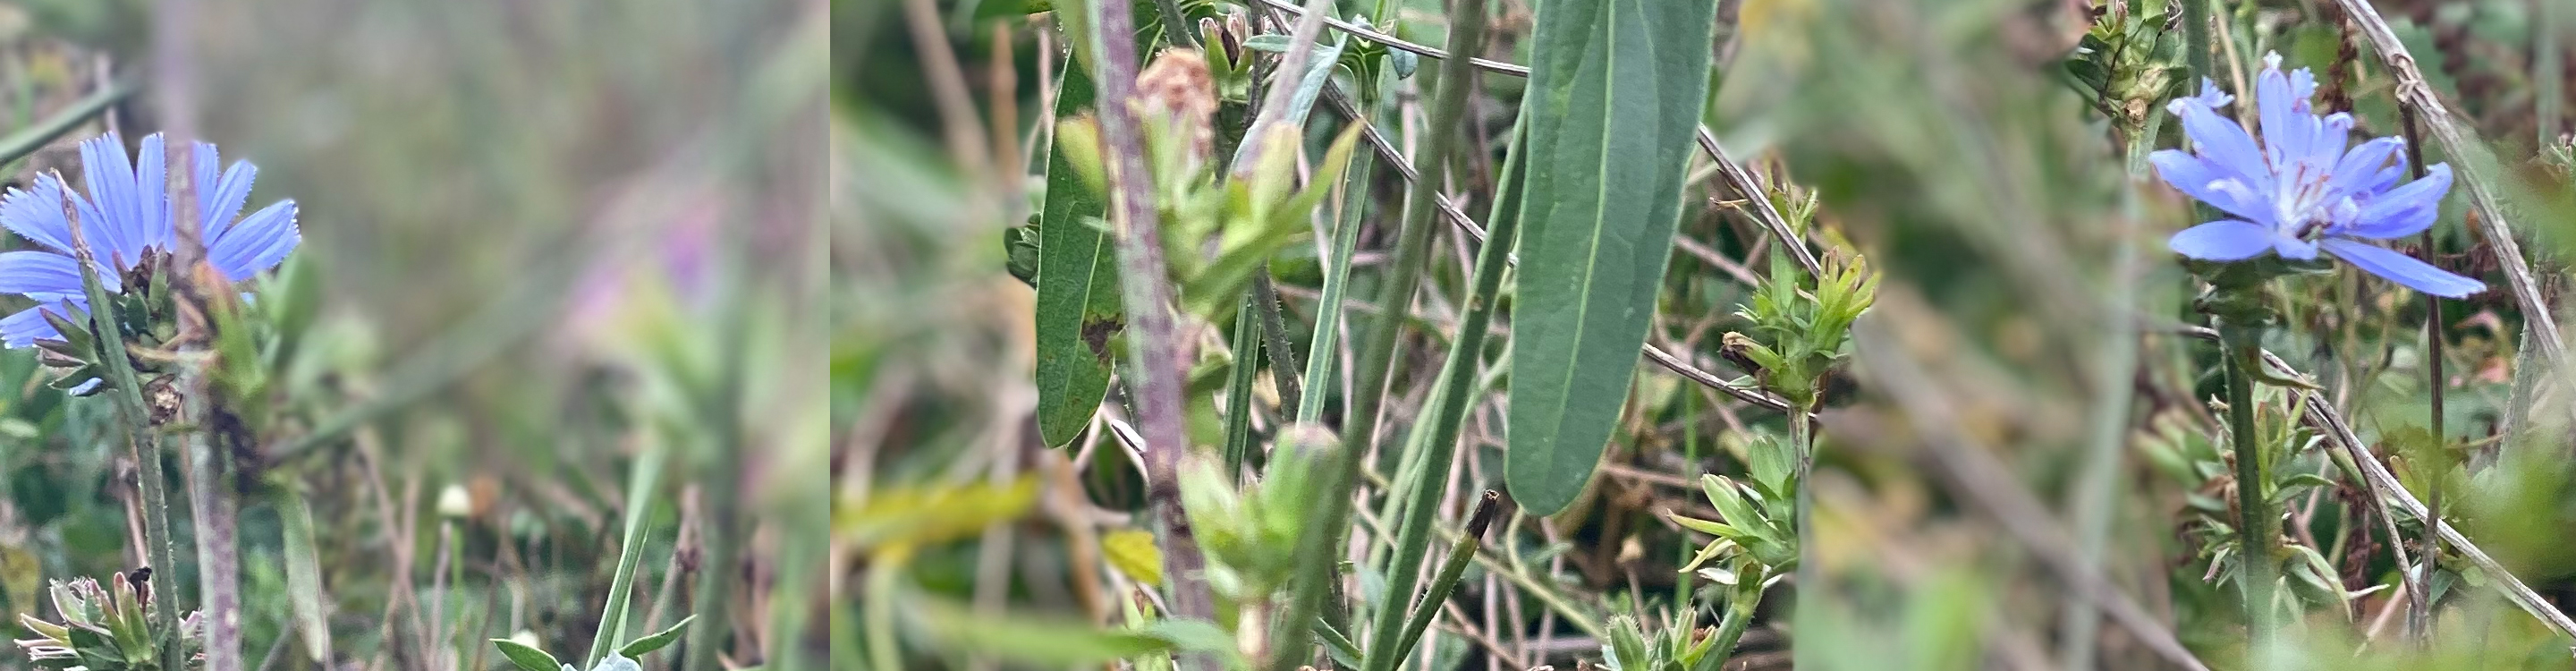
point(2241, 342)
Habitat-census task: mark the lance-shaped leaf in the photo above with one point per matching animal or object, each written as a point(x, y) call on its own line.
point(1077, 305)
point(1616, 88)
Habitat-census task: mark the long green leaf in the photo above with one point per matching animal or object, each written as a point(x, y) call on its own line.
point(311, 606)
point(1077, 307)
point(1616, 88)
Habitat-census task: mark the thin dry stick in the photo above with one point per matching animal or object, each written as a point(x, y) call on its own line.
point(2322, 416)
point(2461, 143)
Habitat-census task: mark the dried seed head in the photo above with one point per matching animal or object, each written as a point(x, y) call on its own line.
point(1176, 96)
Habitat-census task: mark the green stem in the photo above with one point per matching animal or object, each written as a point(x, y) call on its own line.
point(2195, 33)
point(20, 144)
point(1238, 390)
point(1324, 351)
point(2256, 538)
point(2548, 69)
point(1274, 340)
point(1739, 616)
point(1448, 110)
point(1802, 438)
point(142, 442)
point(1461, 553)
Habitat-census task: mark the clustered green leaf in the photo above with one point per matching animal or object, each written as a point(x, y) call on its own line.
point(106, 628)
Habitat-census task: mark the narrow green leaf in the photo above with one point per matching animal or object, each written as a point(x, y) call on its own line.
point(304, 576)
point(659, 639)
point(1616, 88)
point(1078, 304)
point(528, 658)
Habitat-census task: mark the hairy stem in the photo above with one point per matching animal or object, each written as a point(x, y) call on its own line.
point(1155, 379)
point(2256, 543)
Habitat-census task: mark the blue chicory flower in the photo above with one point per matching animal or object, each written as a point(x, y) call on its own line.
point(128, 211)
point(2301, 191)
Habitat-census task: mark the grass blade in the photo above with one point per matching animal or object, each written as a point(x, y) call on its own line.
point(311, 606)
point(639, 500)
point(1616, 92)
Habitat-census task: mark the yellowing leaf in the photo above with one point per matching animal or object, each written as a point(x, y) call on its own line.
point(925, 515)
point(1132, 552)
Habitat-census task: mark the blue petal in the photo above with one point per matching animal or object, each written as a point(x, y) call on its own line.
point(2275, 106)
point(2405, 210)
point(2224, 144)
point(2223, 240)
point(262, 240)
point(221, 203)
point(112, 226)
point(2303, 85)
point(2201, 179)
point(2403, 269)
point(44, 276)
point(152, 194)
point(2210, 96)
point(25, 327)
point(2360, 166)
point(37, 214)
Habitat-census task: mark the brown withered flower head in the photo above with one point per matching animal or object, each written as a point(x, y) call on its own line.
point(1175, 101)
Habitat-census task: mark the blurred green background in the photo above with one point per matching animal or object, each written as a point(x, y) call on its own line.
point(553, 240)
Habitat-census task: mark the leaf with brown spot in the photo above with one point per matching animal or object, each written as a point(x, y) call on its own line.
point(1078, 303)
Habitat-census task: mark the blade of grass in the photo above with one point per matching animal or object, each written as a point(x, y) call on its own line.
point(640, 486)
point(310, 606)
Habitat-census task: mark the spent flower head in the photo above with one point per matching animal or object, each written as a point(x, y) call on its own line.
point(2301, 191)
point(127, 221)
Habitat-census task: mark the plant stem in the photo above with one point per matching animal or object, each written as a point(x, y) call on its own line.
point(1274, 340)
point(143, 444)
point(1395, 294)
point(2419, 609)
point(2548, 69)
point(2256, 537)
point(215, 513)
point(1461, 553)
point(1325, 347)
point(1430, 469)
point(19, 144)
point(1238, 391)
point(1802, 438)
point(1747, 598)
point(1155, 379)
